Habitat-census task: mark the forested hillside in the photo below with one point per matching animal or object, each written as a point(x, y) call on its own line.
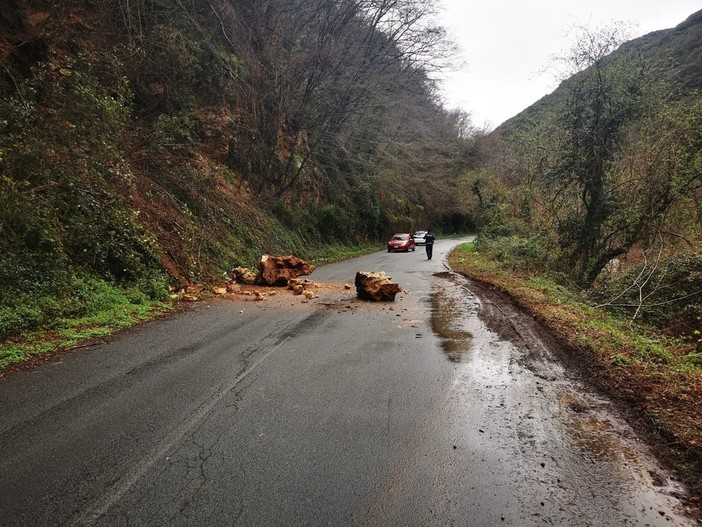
point(599, 184)
point(144, 142)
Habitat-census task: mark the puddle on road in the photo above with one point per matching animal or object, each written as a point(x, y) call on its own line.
point(448, 310)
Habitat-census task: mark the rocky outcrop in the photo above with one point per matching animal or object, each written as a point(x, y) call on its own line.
point(279, 270)
point(376, 286)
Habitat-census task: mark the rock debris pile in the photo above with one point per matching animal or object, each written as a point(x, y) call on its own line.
point(285, 271)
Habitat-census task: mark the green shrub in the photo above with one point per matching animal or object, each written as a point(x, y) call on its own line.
point(620, 361)
point(81, 295)
point(13, 321)
point(515, 253)
point(334, 224)
point(695, 359)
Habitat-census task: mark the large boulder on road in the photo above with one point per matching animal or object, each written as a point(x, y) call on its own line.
point(376, 286)
point(278, 270)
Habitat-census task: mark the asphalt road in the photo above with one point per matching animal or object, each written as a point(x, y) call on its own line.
point(330, 412)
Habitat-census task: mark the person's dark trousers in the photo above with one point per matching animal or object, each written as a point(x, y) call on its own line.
point(430, 249)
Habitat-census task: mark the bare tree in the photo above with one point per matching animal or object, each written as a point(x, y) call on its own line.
point(602, 98)
point(315, 70)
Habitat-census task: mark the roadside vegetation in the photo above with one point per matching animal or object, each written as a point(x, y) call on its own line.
point(598, 186)
point(93, 309)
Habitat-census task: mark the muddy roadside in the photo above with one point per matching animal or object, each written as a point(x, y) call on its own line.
point(629, 397)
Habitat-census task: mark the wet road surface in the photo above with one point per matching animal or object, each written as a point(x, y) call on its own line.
point(437, 409)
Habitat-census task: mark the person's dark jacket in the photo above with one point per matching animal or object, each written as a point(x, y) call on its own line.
point(429, 238)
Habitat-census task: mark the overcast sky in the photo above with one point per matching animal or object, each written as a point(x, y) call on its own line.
point(506, 45)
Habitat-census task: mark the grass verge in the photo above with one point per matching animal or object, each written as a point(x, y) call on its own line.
point(109, 311)
point(658, 379)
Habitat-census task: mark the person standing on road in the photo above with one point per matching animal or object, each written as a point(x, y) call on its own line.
point(429, 243)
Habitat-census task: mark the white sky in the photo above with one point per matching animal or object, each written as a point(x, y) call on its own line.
point(506, 44)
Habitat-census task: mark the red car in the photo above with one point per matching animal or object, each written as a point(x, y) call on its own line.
point(401, 242)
